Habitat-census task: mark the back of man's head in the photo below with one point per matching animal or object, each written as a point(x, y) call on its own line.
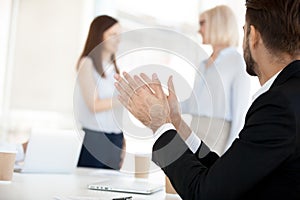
point(278, 22)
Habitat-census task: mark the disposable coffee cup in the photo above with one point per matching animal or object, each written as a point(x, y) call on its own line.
point(7, 161)
point(142, 165)
point(169, 187)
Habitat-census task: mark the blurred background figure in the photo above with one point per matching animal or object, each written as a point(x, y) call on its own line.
point(94, 102)
point(221, 89)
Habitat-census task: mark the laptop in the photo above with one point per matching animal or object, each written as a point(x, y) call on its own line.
point(129, 185)
point(51, 151)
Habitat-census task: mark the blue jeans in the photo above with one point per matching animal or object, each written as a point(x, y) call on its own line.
point(101, 150)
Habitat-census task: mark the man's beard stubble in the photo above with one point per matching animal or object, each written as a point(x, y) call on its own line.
point(251, 65)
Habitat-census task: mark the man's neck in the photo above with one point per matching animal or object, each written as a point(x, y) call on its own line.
point(268, 73)
point(269, 67)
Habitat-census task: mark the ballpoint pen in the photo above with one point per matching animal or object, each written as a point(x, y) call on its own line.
point(123, 198)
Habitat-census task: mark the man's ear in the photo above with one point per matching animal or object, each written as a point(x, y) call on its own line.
point(254, 37)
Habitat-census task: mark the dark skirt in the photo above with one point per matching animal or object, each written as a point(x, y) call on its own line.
point(101, 150)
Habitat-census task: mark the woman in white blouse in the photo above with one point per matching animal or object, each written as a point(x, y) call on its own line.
point(94, 98)
point(219, 99)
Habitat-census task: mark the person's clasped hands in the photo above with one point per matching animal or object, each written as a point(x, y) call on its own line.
point(146, 100)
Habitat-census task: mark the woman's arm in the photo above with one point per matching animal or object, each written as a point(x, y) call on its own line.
point(89, 90)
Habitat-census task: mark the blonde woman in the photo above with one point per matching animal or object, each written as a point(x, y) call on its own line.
point(218, 103)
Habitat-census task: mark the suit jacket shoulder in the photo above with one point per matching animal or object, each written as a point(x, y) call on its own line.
point(263, 163)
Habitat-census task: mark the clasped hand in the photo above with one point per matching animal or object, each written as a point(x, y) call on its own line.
point(146, 100)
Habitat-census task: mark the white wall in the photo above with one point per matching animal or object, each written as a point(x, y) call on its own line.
point(5, 18)
point(45, 54)
point(5, 14)
point(49, 37)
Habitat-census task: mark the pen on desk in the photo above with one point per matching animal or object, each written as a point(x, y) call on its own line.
point(123, 198)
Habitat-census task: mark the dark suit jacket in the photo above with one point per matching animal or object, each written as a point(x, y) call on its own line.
point(263, 163)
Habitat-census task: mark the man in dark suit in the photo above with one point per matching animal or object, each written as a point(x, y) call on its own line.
point(264, 162)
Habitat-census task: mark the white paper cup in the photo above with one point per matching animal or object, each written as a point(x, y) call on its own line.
point(142, 165)
point(7, 161)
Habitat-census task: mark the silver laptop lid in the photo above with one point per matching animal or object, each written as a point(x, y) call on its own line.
point(129, 185)
point(52, 151)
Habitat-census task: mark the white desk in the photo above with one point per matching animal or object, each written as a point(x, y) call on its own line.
point(70, 187)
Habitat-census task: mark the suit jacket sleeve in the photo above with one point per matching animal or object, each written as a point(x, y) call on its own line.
point(266, 141)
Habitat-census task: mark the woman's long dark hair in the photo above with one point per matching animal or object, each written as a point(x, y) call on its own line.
point(92, 48)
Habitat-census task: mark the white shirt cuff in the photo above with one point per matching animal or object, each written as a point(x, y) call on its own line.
point(163, 128)
point(193, 142)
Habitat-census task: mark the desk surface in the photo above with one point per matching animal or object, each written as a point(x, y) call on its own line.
point(71, 186)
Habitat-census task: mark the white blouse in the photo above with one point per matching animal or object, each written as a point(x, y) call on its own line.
point(101, 121)
point(221, 91)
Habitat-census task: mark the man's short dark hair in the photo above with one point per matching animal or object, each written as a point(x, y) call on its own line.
point(278, 22)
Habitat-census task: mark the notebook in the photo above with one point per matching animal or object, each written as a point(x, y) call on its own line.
point(51, 151)
point(129, 185)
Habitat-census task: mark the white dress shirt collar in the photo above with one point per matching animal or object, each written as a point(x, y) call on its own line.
point(265, 87)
